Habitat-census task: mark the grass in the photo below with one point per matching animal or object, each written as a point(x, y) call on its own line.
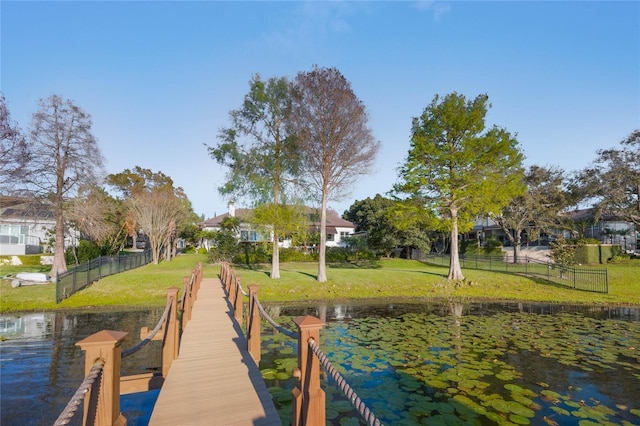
point(396, 279)
point(139, 288)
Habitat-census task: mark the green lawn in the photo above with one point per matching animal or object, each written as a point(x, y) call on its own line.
point(397, 279)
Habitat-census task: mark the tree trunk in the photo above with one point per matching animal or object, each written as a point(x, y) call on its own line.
point(275, 258)
point(455, 272)
point(59, 263)
point(322, 267)
point(517, 242)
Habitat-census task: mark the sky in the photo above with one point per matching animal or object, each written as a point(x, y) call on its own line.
point(160, 78)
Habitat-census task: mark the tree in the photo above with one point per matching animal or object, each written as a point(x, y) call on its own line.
point(383, 219)
point(537, 209)
point(64, 155)
point(336, 146)
point(261, 155)
point(458, 168)
point(14, 153)
point(612, 182)
point(99, 216)
point(156, 207)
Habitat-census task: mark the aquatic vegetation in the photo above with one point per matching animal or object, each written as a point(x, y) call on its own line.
point(481, 368)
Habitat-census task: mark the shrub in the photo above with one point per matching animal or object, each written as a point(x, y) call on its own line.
point(294, 255)
point(202, 250)
point(337, 255)
point(252, 255)
point(85, 251)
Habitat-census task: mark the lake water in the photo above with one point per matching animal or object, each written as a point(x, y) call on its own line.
point(460, 363)
point(41, 367)
point(440, 363)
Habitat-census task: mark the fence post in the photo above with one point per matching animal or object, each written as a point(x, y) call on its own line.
point(105, 345)
point(253, 324)
point(308, 405)
point(188, 302)
point(171, 340)
point(237, 301)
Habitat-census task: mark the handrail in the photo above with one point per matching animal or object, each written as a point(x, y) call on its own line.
point(72, 406)
point(308, 403)
point(364, 411)
point(151, 335)
point(274, 324)
point(103, 355)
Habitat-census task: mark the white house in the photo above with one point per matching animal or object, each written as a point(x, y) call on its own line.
point(337, 228)
point(24, 225)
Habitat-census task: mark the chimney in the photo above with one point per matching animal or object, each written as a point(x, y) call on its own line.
point(232, 209)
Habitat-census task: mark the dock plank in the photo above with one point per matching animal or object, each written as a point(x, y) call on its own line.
point(214, 381)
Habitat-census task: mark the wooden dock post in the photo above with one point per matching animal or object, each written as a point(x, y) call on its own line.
point(253, 325)
point(171, 341)
point(104, 345)
point(237, 301)
point(308, 405)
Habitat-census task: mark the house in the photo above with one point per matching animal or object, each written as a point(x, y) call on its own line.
point(337, 228)
point(24, 225)
point(608, 229)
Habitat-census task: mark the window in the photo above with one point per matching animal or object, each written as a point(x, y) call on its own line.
point(344, 234)
point(329, 237)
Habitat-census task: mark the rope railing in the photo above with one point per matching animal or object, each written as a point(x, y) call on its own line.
point(103, 406)
point(362, 409)
point(308, 406)
point(72, 406)
point(151, 335)
point(274, 324)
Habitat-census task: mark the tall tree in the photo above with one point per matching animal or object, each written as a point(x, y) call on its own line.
point(386, 224)
point(336, 145)
point(14, 153)
point(157, 207)
point(612, 182)
point(459, 168)
point(99, 216)
point(537, 209)
point(64, 155)
point(261, 155)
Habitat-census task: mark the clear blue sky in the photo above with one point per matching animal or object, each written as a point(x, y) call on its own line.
point(159, 78)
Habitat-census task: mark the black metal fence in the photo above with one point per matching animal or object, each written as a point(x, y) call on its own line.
point(91, 271)
point(587, 279)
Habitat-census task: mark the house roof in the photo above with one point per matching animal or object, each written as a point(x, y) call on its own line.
point(333, 219)
point(589, 215)
point(12, 208)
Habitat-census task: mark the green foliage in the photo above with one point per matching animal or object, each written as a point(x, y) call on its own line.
point(562, 252)
point(252, 254)
point(189, 250)
point(390, 224)
point(225, 248)
point(31, 260)
point(202, 250)
point(457, 166)
point(85, 251)
point(295, 255)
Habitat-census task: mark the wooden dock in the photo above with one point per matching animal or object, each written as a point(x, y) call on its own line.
point(214, 381)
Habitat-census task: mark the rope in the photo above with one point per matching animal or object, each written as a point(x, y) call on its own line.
point(359, 405)
point(150, 337)
point(72, 406)
point(270, 320)
point(244, 293)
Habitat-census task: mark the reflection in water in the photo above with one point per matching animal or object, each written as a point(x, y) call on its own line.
point(41, 366)
point(455, 362)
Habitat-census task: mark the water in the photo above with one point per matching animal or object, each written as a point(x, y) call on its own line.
point(471, 363)
point(410, 362)
point(41, 367)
